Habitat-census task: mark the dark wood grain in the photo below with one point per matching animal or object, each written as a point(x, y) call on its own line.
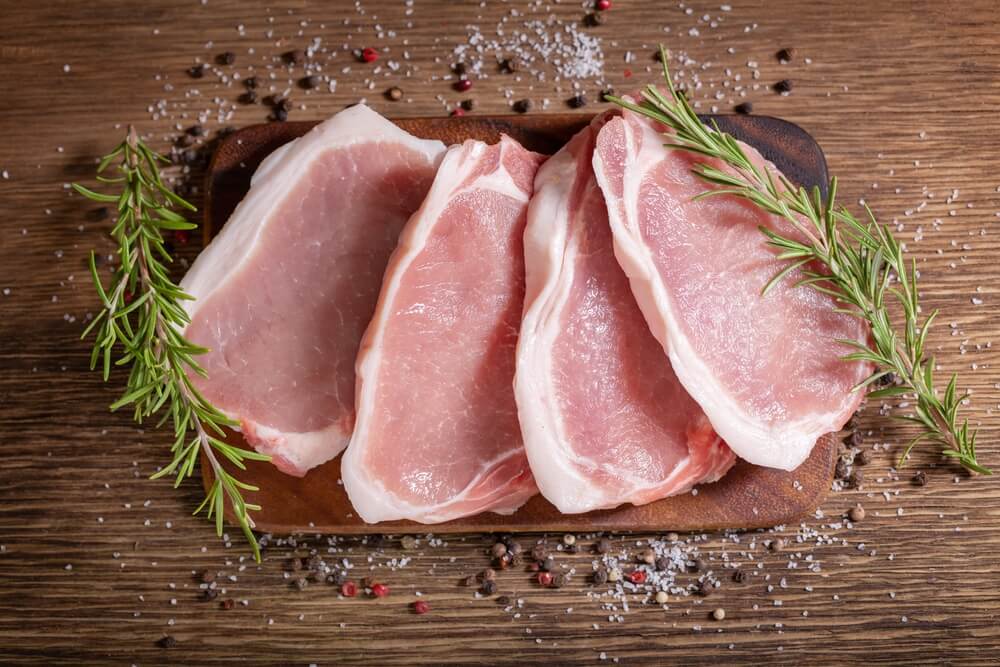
point(747, 497)
point(881, 74)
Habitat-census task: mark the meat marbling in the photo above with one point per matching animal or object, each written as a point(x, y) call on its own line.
point(437, 435)
point(766, 370)
point(604, 419)
point(284, 293)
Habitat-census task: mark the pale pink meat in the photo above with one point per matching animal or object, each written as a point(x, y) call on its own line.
point(766, 370)
point(284, 293)
point(604, 419)
point(437, 435)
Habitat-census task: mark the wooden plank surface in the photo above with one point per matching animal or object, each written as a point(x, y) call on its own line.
point(97, 563)
point(746, 497)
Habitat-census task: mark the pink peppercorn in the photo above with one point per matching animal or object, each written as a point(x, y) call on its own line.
point(348, 589)
point(181, 236)
point(380, 590)
point(545, 578)
point(421, 607)
point(603, 5)
point(458, 112)
point(463, 85)
point(637, 576)
point(369, 55)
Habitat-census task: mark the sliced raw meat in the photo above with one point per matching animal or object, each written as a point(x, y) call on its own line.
point(437, 435)
point(604, 419)
point(766, 370)
point(284, 293)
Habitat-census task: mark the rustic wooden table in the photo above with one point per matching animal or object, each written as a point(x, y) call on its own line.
point(97, 563)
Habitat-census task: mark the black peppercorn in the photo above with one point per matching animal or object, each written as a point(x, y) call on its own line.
point(745, 108)
point(227, 58)
point(784, 86)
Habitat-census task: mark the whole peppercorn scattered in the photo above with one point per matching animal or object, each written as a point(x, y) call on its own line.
point(522, 106)
point(462, 85)
point(662, 564)
point(348, 589)
point(856, 479)
point(227, 58)
point(647, 556)
point(380, 590)
point(744, 108)
point(856, 438)
point(703, 588)
point(515, 548)
point(840, 471)
point(209, 594)
point(548, 564)
point(280, 115)
point(249, 97)
point(458, 112)
point(545, 578)
point(470, 580)
point(421, 607)
point(614, 575)
point(777, 544)
point(606, 93)
point(593, 19)
point(863, 458)
point(301, 583)
point(698, 565)
point(197, 71)
point(489, 587)
point(408, 542)
point(784, 55)
point(673, 537)
point(577, 101)
point(395, 93)
point(719, 614)
point(503, 600)
point(559, 580)
point(251, 83)
point(602, 5)
point(310, 82)
point(166, 642)
point(499, 550)
point(539, 552)
point(516, 560)
point(503, 562)
point(740, 576)
point(533, 566)
point(207, 577)
point(920, 478)
point(509, 65)
point(600, 576)
point(184, 140)
point(602, 546)
point(661, 597)
point(460, 68)
point(569, 539)
point(469, 104)
point(369, 55)
point(637, 576)
point(489, 574)
point(783, 87)
point(336, 578)
point(856, 513)
point(227, 604)
point(196, 130)
point(294, 57)
point(886, 380)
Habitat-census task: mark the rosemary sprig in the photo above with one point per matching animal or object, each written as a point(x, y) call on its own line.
point(141, 313)
point(862, 268)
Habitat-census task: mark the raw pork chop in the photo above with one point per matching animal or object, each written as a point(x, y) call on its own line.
point(437, 435)
point(284, 293)
point(766, 370)
point(604, 419)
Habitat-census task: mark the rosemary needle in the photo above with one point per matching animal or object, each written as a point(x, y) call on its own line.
point(141, 315)
point(863, 268)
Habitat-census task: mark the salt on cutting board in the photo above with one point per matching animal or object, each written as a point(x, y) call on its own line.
point(747, 496)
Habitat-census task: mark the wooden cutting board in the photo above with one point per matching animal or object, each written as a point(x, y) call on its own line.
point(747, 497)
